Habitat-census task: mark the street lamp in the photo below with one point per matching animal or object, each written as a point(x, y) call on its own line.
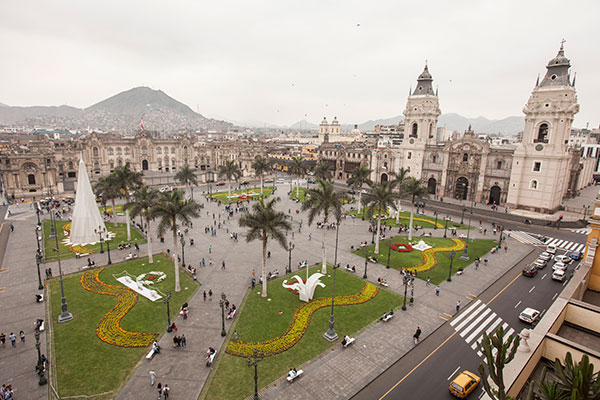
point(182, 241)
point(331, 334)
point(445, 226)
point(435, 225)
point(450, 269)
point(222, 304)
point(405, 282)
point(500, 238)
point(290, 248)
point(389, 253)
point(253, 361)
point(412, 290)
point(374, 227)
point(366, 261)
point(65, 314)
point(37, 212)
point(166, 300)
point(40, 365)
point(99, 232)
point(38, 257)
point(108, 249)
point(462, 215)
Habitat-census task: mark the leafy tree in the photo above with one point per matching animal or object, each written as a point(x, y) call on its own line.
point(413, 188)
point(323, 171)
point(323, 200)
point(360, 177)
point(398, 179)
point(187, 177)
point(265, 222)
point(127, 181)
point(144, 200)
point(108, 190)
point(261, 166)
point(170, 207)
point(505, 352)
point(298, 168)
point(230, 170)
point(379, 199)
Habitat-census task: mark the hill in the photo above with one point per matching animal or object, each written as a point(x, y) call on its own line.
point(13, 115)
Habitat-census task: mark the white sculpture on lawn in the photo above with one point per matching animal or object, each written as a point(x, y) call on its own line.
point(305, 290)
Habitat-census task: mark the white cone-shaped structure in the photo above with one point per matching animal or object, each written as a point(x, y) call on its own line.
point(86, 216)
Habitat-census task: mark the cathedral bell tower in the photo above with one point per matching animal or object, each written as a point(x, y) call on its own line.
point(540, 170)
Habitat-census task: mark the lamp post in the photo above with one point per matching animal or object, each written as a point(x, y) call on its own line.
point(38, 256)
point(65, 314)
point(331, 334)
point(450, 269)
point(445, 226)
point(366, 261)
point(500, 238)
point(108, 250)
point(462, 215)
point(99, 232)
point(40, 365)
point(435, 213)
point(374, 227)
point(37, 212)
point(405, 281)
point(222, 305)
point(182, 241)
point(253, 361)
point(291, 247)
point(166, 300)
point(389, 253)
point(412, 290)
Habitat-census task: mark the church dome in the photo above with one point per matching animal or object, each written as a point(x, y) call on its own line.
point(425, 75)
point(560, 59)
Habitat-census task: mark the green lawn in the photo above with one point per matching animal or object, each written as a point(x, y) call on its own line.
point(222, 196)
point(420, 220)
point(259, 320)
point(86, 365)
point(65, 252)
point(302, 196)
point(108, 209)
point(398, 260)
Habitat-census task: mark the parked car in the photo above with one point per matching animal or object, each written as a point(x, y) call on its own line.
point(310, 180)
point(545, 256)
point(351, 191)
point(559, 265)
point(464, 384)
point(220, 183)
point(559, 275)
point(529, 315)
point(280, 181)
point(530, 270)
point(565, 259)
point(244, 183)
point(551, 249)
point(576, 255)
point(539, 263)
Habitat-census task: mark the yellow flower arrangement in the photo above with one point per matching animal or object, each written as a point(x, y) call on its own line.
point(431, 260)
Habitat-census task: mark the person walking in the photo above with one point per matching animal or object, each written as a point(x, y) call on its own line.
point(457, 306)
point(428, 281)
point(209, 294)
point(223, 264)
point(13, 339)
point(417, 334)
point(22, 335)
point(152, 377)
point(12, 228)
point(204, 295)
point(183, 343)
point(159, 388)
point(209, 248)
point(437, 290)
point(166, 390)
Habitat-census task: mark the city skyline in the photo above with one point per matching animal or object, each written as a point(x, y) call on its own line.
point(279, 64)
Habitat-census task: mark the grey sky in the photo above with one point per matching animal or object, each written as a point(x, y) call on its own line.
point(276, 61)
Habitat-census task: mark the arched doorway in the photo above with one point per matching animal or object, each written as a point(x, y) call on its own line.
point(495, 195)
point(384, 177)
point(462, 188)
point(431, 184)
point(144, 165)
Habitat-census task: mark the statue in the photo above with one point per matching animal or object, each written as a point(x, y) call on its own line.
point(305, 290)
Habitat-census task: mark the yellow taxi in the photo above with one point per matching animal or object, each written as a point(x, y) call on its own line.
point(464, 384)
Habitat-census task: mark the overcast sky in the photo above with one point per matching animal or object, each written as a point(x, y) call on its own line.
point(279, 61)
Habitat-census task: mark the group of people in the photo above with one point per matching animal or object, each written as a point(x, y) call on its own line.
point(12, 337)
point(6, 392)
point(179, 341)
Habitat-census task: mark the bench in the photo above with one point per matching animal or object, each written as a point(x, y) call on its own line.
point(292, 378)
point(349, 269)
point(382, 283)
point(84, 267)
point(39, 298)
point(386, 317)
point(150, 354)
point(231, 315)
point(349, 341)
point(132, 257)
point(40, 327)
point(210, 358)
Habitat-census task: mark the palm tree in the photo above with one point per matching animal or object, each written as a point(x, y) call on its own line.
point(144, 200)
point(127, 181)
point(413, 188)
point(380, 198)
point(323, 171)
point(107, 189)
point(170, 207)
point(230, 170)
point(265, 222)
point(297, 168)
point(323, 199)
point(261, 166)
point(398, 179)
point(359, 177)
point(187, 177)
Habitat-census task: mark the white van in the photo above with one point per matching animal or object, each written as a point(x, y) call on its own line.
point(551, 249)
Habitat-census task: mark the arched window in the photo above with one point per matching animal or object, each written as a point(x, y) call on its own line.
point(542, 136)
point(158, 150)
point(126, 150)
point(95, 151)
point(430, 131)
point(433, 158)
point(185, 150)
point(111, 165)
point(172, 150)
point(110, 151)
point(465, 157)
point(119, 163)
point(534, 184)
point(166, 150)
point(70, 164)
point(31, 179)
point(144, 150)
point(414, 130)
point(96, 165)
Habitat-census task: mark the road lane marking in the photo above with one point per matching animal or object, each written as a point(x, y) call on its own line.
point(468, 310)
point(555, 294)
point(544, 276)
point(531, 290)
point(475, 323)
point(470, 317)
point(505, 287)
point(481, 327)
point(565, 282)
point(448, 315)
point(517, 305)
point(445, 319)
point(455, 371)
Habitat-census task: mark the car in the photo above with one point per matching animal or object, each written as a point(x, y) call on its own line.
point(539, 263)
point(310, 180)
point(220, 183)
point(559, 275)
point(565, 259)
point(464, 384)
point(529, 315)
point(545, 256)
point(165, 189)
point(244, 183)
point(351, 191)
point(559, 265)
point(530, 270)
point(576, 255)
point(551, 249)
point(280, 181)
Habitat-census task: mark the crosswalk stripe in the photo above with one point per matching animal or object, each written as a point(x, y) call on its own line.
point(548, 240)
point(553, 242)
point(475, 323)
point(580, 248)
point(560, 243)
point(509, 333)
point(468, 310)
point(470, 317)
point(481, 327)
point(570, 246)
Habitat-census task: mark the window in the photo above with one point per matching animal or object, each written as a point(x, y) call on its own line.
point(185, 150)
point(542, 136)
point(433, 158)
point(96, 165)
point(110, 151)
point(158, 150)
point(409, 155)
point(465, 157)
point(533, 185)
point(119, 163)
point(70, 164)
point(111, 165)
point(95, 152)
point(126, 151)
point(499, 165)
point(166, 150)
point(415, 127)
point(118, 151)
point(172, 150)
point(31, 179)
point(537, 166)
point(144, 150)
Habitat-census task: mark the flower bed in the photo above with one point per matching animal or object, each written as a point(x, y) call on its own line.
point(431, 260)
point(402, 247)
point(151, 278)
point(299, 324)
point(109, 329)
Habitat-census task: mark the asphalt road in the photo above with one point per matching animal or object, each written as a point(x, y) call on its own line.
point(426, 371)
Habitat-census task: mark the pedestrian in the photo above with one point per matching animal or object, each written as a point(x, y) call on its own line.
point(235, 336)
point(166, 390)
point(457, 306)
point(437, 290)
point(505, 248)
point(428, 281)
point(22, 336)
point(204, 295)
point(152, 377)
point(159, 388)
point(209, 294)
point(253, 282)
point(183, 341)
point(416, 335)
point(253, 272)
point(203, 262)
point(223, 264)
point(2, 338)
point(310, 236)
point(12, 228)
point(209, 248)
point(13, 339)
